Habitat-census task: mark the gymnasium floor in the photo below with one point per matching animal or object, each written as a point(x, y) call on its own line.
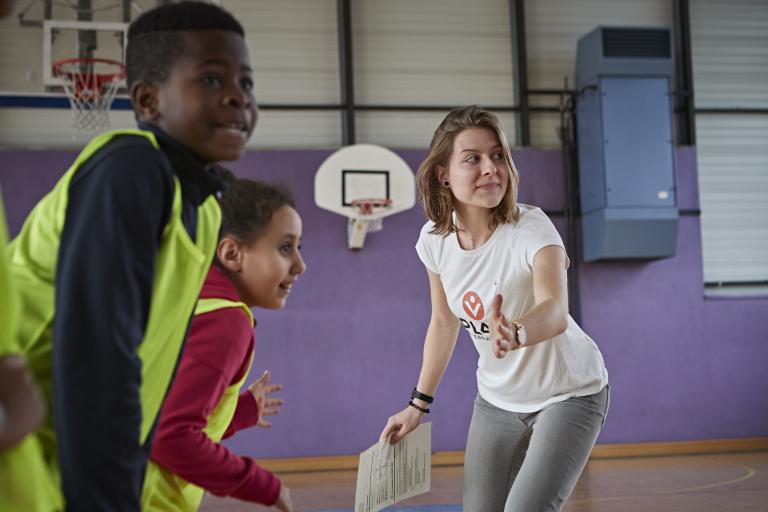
point(700, 483)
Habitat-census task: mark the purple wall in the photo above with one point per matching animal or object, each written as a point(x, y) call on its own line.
point(348, 345)
point(681, 366)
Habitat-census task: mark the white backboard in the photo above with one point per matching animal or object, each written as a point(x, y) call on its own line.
point(364, 171)
point(61, 41)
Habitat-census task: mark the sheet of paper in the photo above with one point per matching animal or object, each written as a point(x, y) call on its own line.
point(388, 474)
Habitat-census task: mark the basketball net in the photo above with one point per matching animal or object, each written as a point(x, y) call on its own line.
point(365, 222)
point(366, 206)
point(91, 85)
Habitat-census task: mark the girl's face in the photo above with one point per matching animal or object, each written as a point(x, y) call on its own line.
point(271, 265)
point(477, 173)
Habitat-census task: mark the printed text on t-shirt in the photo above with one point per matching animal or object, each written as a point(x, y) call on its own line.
point(473, 307)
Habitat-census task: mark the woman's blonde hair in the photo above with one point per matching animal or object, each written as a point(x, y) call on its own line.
point(436, 198)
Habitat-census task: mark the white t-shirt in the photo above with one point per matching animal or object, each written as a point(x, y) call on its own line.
point(528, 379)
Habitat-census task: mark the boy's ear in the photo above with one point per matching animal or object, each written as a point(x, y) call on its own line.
point(145, 101)
point(230, 255)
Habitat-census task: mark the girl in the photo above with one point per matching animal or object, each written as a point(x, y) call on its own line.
point(257, 263)
point(499, 269)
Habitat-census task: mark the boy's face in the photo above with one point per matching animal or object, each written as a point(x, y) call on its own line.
point(207, 102)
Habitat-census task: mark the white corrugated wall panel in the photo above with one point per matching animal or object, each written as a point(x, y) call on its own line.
point(411, 130)
point(554, 26)
point(21, 47)
point(294, 49)
point(282, 129)
point(428, 52)
point(49, 127)
point(729, 41)
point(733, 188)
point(444, 52)
point(552, 29)
point(545, 130)
point(21, 55)
point(52, 128)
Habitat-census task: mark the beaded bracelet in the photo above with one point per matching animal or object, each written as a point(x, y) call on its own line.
point(425, 411)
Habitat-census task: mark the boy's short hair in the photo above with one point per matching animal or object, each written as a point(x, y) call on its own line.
point(247, 206)
point(156, 38)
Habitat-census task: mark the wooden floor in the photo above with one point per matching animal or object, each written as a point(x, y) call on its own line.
point(700, 483)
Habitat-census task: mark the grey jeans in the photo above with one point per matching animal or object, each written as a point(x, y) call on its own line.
point(529, 462)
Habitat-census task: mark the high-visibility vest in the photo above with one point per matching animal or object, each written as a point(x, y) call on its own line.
point(9, 303)
point(165, 491)
point(25, 484)
point(180, 269)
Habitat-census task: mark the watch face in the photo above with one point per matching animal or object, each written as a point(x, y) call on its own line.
point(521, 337)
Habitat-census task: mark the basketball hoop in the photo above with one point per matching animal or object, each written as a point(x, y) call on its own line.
point(366, 221)
point(366, 206)
point(91, 85)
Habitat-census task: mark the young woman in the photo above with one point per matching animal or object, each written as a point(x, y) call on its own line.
point(498, 268)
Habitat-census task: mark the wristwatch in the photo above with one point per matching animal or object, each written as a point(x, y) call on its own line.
point(520, 336)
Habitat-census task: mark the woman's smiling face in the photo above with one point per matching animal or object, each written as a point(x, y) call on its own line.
point(477, 173)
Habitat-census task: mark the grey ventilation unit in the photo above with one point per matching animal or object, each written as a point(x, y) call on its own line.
point(626, 145)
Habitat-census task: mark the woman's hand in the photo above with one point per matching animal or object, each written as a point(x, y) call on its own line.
point(400, 424)
point(261, 389)
point(503, 335)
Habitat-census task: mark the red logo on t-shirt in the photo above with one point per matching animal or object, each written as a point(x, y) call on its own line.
point(473, 306)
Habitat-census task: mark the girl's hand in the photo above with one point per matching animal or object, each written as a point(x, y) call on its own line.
point(400, 424)
point(261, 389)
point(502, 330)
point(284, 503)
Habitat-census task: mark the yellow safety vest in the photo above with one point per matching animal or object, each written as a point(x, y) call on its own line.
point(9, 303)
point(165, 491)
point(24, 482)
point(180, 268)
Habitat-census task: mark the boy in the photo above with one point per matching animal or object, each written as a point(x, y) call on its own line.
point(110, 263)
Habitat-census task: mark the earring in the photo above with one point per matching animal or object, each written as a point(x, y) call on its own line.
point(445, 183)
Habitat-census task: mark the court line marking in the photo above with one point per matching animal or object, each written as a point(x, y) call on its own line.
point(749, 473)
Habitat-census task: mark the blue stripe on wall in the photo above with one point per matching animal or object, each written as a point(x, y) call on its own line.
point(30, 101)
